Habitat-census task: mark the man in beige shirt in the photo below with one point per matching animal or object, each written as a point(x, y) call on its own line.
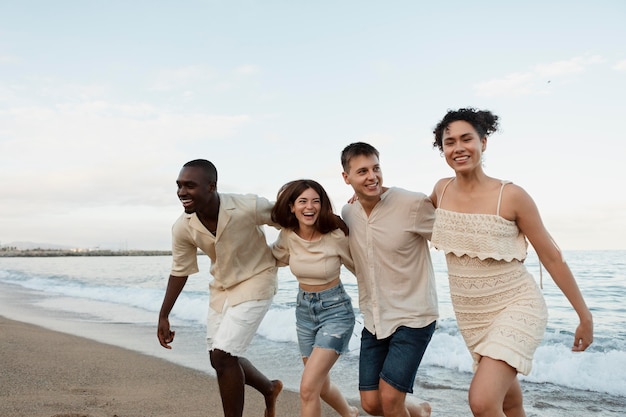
point(228, 228)
point(389, 233)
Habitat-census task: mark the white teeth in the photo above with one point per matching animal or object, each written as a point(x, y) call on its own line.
point(461, 158)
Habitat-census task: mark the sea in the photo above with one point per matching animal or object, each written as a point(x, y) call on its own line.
point(116, 300)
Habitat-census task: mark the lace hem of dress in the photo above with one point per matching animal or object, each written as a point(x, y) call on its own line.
point(480, 236)
point(480, 255)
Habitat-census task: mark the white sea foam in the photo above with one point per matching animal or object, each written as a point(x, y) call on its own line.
point(130, 290)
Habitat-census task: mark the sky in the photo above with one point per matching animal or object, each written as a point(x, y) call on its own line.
point(102, 102)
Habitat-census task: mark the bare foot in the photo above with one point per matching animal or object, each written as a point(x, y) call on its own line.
point(355, 412)
point(270, 400)
point(424, 410)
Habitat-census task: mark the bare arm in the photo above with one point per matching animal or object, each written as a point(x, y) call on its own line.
point(529, 221)
point(434, 195)
point(437, 190)
point(174, 287)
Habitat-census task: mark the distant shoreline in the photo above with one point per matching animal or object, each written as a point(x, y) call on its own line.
point(32, 253)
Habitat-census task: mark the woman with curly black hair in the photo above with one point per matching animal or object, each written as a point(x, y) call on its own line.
point(482, 224)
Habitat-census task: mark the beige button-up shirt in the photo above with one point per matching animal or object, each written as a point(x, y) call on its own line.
point(392, 261)
point(242, 264)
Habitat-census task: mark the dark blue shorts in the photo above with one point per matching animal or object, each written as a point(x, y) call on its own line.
point(395, 359)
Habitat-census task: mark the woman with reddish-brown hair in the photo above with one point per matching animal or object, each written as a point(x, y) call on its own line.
point(313, 241)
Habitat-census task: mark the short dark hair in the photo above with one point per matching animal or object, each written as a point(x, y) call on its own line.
point(356, 149)
point(484, 122)
point(327, 221)
point(207, 166)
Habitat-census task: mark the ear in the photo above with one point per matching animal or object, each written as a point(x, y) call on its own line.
point(345, 177)
point(291, 208)
point(484, 142)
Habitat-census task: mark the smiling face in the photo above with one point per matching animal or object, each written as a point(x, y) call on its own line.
point(196, 190)
point(306, 208)
point(365, 176)
point(463, 147)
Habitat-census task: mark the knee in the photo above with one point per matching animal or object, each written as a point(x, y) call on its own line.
point(392, 402)
point(372, 409)
point(479, 405)
point(511, 404)
point(371, 406)
point(221, 361)
point(308, 392)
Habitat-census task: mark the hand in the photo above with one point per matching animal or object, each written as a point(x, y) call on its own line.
point(164, 334)
point(353, 199)
point(583, 336)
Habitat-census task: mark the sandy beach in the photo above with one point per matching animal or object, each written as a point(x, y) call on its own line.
point(51, 374)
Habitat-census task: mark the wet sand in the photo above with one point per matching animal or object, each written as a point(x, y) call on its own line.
point(50, 374)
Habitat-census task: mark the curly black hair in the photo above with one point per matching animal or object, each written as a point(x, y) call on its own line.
point(484, 122)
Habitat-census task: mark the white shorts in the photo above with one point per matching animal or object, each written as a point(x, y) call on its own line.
point(232, 330)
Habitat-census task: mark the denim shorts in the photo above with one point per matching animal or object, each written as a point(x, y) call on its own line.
point(324, 319)
point(394, 359)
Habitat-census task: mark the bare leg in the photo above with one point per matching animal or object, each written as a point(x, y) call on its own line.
point(371, 402)
point(394, 403)
point(269, 388)
point(231, 381)
point(333, 397)
point(232, 374)
point(418, 410)
point(513, 401)
point(316, 385)
point(493, 388)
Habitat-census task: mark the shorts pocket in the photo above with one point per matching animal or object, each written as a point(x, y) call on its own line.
point(335, 302)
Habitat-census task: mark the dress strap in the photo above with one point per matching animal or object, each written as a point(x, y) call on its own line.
point(444, 191)
point(504, 182)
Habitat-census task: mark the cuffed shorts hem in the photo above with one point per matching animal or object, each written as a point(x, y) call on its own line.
point(324, 320)
point(394, 359)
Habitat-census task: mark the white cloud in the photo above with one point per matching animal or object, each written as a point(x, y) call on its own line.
point(29, 89)
point(276, 138)
point(101, 120)
point(620, 66)
point(95, 152)
point(376, 138)
point(6, 94)
point(383, 67)
point(53, 89)
point(534, 81)
point(247, 70)
point(9, 59)
point(515, 84)
point(182, 78)
point(571, 66)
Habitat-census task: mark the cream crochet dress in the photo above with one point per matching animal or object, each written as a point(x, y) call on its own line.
point(499, 308)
